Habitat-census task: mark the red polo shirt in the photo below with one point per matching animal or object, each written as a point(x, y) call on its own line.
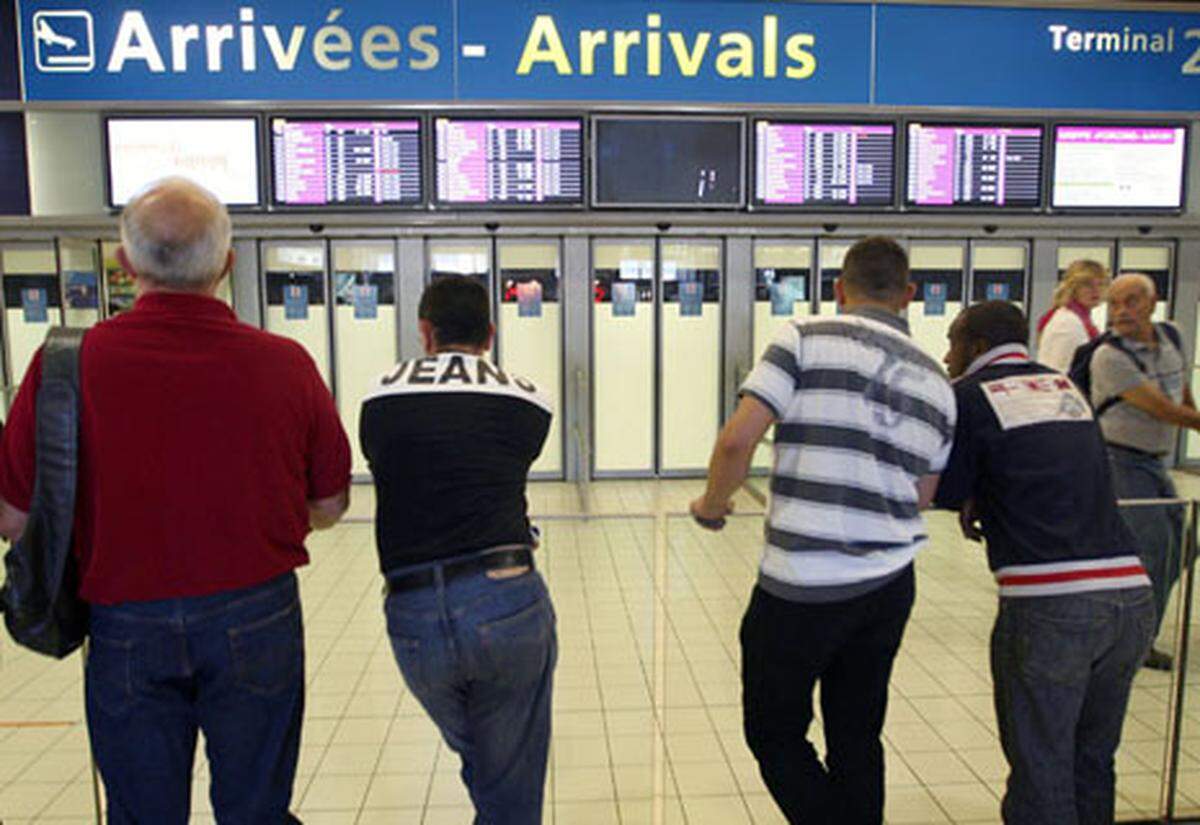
point(201, 441)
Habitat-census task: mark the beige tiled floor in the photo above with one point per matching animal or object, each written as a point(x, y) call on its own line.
point(647, 717)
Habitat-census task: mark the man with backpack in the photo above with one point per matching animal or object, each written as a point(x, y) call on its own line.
point(1134, 376)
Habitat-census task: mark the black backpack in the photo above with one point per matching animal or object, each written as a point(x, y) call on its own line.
point(40, 598)
point(1081, 362)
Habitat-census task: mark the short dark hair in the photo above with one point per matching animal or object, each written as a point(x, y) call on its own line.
point(457, 307)
point(876, 268)
point(996, 323)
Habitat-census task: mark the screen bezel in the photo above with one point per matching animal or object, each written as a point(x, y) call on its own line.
point(759, 205)
point(328, 117)
point(740, 120)
point(256, 117)
point(486, 206)
point(1040, 206)
point(1120, 210)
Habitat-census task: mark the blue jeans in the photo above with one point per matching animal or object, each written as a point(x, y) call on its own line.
point(1062, 669)
point(479, 654)
point(1157, 529)
point(229, 664)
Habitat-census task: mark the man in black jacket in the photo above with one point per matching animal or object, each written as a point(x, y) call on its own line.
point(450, 438)
point(1029, 473)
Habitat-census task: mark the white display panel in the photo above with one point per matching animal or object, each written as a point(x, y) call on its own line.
point(220, 154)
point(1119, 167)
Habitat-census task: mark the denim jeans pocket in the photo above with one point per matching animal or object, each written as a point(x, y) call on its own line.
point(268, 653)
point(110, 673)
point(1054, 649)
point(518, 644)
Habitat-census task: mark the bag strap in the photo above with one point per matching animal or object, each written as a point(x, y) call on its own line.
point(1172, 334)
point(60, 355)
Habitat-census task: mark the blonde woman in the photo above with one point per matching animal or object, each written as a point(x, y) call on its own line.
point(1068, 325)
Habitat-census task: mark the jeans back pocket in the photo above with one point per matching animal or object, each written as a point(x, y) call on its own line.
point(268, 653)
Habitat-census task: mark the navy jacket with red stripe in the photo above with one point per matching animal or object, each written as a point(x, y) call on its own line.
point(1028, 449)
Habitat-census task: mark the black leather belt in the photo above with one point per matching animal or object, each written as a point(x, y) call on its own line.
point(495, 560)
point(1135, 450)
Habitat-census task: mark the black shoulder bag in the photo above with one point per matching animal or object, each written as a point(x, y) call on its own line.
point(40, 597)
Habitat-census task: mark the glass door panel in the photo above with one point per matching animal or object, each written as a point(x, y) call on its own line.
point(364, 326)
point(119, 289)
point(296, 303)
point(783, 278)
point(689, 354)
point(831, 255)
point(32, 302)
point(999, 272)
point(80, 277)
point(623, 363)
point(937, 271)
point(529, 330)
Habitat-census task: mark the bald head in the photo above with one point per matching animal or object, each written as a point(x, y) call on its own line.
point(176, 235)
point(1135, 281)
point(1131, 301)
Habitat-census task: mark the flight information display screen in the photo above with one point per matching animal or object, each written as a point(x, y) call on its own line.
point(682, 162)
point(14, 195)
point(1119, 167)
point(505, 161)
point(983, 166)
point(219, 153)
point(824, 164)
point(351, 162)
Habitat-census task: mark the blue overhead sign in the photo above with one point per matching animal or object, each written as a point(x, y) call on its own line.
point(677, 50)
point(712, 51)
point(220, 50)
point(1037, 58)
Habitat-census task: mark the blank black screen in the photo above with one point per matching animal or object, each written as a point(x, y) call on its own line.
point(684, 162)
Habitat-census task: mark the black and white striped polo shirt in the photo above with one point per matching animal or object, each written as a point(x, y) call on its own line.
point(862, 414)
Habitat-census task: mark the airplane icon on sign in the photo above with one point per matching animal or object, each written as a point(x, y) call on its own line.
point(63, 41)
point(47, 35)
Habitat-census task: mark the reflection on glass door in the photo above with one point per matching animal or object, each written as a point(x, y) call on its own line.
point(32, 302)
point(937, 269)
point(80, 278)
point(689, 354)
point(1099, 251)
point(364, 326)
point(295, 300)
point(831, 255)
point(999, 272)
point(1154, 260)
point(783, 277)
point(623, 357)
point(529, 330)
point(119, 288)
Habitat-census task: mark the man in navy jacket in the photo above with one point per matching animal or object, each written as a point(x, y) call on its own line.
point(1029, 473)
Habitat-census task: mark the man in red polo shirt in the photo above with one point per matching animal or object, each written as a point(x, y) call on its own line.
point(208, 449)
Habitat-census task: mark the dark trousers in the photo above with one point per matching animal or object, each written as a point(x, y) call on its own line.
point(479, 654)
point(1158, 529)
point(230, 665)
point(1062, 669)
point(849, 646)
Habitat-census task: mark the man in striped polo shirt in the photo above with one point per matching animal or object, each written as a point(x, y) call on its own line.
point(864, 421)
point(1029, 473)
